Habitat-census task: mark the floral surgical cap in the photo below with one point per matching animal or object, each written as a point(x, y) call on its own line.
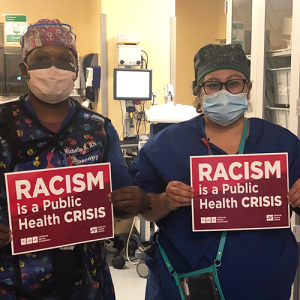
point(47, 32)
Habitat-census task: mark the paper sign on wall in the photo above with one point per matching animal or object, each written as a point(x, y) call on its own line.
point(15, 26)
point(58, 207)
point(235, 192)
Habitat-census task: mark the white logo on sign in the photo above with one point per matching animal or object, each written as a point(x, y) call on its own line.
point(35, 240)
point(203, 220)
point(270, 218)
point(208, 220)
point(23, 241)
point(29, 240)
point(93, 230)
point(214, 219)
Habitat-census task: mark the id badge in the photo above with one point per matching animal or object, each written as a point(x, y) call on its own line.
point(200, 287)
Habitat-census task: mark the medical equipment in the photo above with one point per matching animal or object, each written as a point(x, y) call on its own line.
point(141, 267)
point(170, 113)
point(128, 50)
point(122, 247)
point(169, 93)
point(129, 55)
point(89, 75)
point(132, 84)
point(131, 38)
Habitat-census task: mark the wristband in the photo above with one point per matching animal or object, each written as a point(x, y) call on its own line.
point(149, 207)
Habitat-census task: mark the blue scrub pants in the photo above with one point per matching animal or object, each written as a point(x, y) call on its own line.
point(153, 288)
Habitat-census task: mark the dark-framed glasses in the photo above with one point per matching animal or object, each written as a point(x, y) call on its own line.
point(234, 86)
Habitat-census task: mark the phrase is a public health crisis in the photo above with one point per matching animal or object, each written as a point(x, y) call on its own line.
point(236, 192)
point(58, 207)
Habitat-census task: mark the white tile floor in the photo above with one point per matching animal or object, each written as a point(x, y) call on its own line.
point(128, 284)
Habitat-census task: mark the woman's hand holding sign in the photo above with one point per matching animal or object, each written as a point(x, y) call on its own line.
point(5, 235)
point(178, 194)
point(129, 201)
point(133, 200)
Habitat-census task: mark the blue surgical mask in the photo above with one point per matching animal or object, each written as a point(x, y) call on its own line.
point(223, 107)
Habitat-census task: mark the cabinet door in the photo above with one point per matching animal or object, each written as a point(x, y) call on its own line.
point(1, 60)
point(1, 34)
point(275, 61)
point(239, 30)
point(266, 25)
point(241, 24)
point(275, 65)
point(277, 98)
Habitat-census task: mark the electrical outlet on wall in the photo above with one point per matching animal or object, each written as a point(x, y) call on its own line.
point(155, 99)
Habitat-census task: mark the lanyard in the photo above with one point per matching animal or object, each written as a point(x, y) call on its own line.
point(244, 136)
point(224, 233)
point(217, 261)
point(242, 143)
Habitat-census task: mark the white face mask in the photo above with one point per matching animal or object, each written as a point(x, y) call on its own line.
point(51, 85)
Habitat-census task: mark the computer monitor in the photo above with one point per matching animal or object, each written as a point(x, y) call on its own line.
point(132, 84)
point(157, 127)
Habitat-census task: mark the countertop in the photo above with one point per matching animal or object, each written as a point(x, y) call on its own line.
point(7, 98)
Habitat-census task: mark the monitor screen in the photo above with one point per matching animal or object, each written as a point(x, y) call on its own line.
point(157, 127)
point(132, 84)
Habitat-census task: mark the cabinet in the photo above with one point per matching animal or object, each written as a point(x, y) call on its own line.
point(11, 82)
point(15, 84)
point(1, 59)
point(268, 31)
point(274, 50)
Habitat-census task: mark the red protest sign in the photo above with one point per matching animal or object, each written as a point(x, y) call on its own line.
point(235, 192)
point(57, 207)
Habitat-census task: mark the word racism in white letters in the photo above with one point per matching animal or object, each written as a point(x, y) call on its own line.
point(58, 185)
point(255, 170)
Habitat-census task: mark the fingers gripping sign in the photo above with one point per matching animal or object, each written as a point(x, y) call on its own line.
point(131, 199)
point(178, 194)
point(5, 235)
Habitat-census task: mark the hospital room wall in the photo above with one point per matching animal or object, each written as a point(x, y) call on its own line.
point(199, 22)
point(74, 12)
point(149, 19)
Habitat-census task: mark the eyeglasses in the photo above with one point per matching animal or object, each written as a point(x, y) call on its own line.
point(234, 86)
